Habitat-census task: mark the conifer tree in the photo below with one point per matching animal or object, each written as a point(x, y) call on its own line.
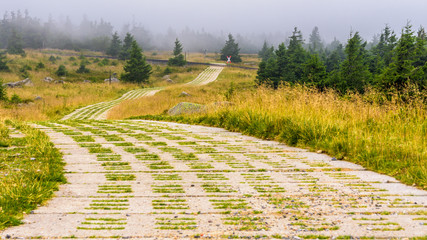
point(231, 48)
point(115, 45)
point(335, 58)
point(178, 59)
point(314, 72)
point(354, 70)
point(14, 45)
point(402, 71)
point(296, 54)
point(3, 95)
point(127, 46)
point(136, 69)
point(3, 62)
point(315, 42)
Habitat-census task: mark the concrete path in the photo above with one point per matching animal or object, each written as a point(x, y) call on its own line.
point(207, 76)
point(143, 179)
point(99, 111)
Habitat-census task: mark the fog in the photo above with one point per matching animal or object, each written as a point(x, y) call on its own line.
point(249, 20)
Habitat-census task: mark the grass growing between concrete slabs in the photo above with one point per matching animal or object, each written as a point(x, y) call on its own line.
point(31, 169)
point(386, 136)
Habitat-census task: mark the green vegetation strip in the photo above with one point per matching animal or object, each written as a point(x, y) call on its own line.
point(31, 169)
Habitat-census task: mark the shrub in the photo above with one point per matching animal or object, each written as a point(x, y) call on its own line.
point(62, 71)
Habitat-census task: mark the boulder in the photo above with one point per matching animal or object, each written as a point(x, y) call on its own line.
point(184, 94)
point(170, 80)
point(59, 81)
point(166, 77)
point(186, 108)
point(48, 79)
point(25, 82)
point(38, 98)
point(28, 82)
point(87, 81)
point(113, 80)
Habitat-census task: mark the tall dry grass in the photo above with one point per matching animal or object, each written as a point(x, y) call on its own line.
point(166, 99)
point(58, 99)
point(387, 136)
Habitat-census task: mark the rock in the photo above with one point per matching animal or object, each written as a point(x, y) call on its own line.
point(48, 79)
point(184, 94)
point(38, 98)
point(28, 82)
point(334, 159)
point(87, 81)
point(319, 151)
point(25, 82)
point(113, 80)
point(186, 108)
point(170, 80)
point(166, 77)
point(59, 82)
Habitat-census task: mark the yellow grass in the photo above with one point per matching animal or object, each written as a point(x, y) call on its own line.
point(58, 100)
point(166, 99)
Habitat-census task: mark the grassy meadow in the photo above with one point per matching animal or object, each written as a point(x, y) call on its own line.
point(218, 91)
point(59, 99)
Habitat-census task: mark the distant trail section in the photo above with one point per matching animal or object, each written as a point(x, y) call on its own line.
point(99, 111)
point(207, 76)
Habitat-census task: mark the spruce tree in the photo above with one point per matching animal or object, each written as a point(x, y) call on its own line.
point(115, 45)
point(136, 69)
point(61, 71)
point(127, 46)
point(266, 52)
point(178, 59)
point(420, 48)
point(231, 48)
point(382, 53)
point(314, 72)
point(402, 71)
point(296, 54)
point(14, 45)
point(82, 68)
point(354, 70)
point(3, 62)
point(3, 95)
point(335, 58)
point(315, 44)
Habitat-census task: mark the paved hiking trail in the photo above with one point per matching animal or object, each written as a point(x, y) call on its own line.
point(99, 111)
point(146, 179)
point(156, 180)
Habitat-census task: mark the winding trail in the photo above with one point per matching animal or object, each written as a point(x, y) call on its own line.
point(153, 180)
point(99, 111)
point(144, 179)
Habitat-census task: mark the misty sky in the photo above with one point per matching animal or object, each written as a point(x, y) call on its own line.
point(335, 18)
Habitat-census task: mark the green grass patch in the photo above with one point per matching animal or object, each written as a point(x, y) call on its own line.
point(135, 149)
point(29, 175)
point(85, 138)
point(119, 177)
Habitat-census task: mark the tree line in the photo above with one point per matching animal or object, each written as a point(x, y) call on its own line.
point(96, 35)
point(391, 62)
